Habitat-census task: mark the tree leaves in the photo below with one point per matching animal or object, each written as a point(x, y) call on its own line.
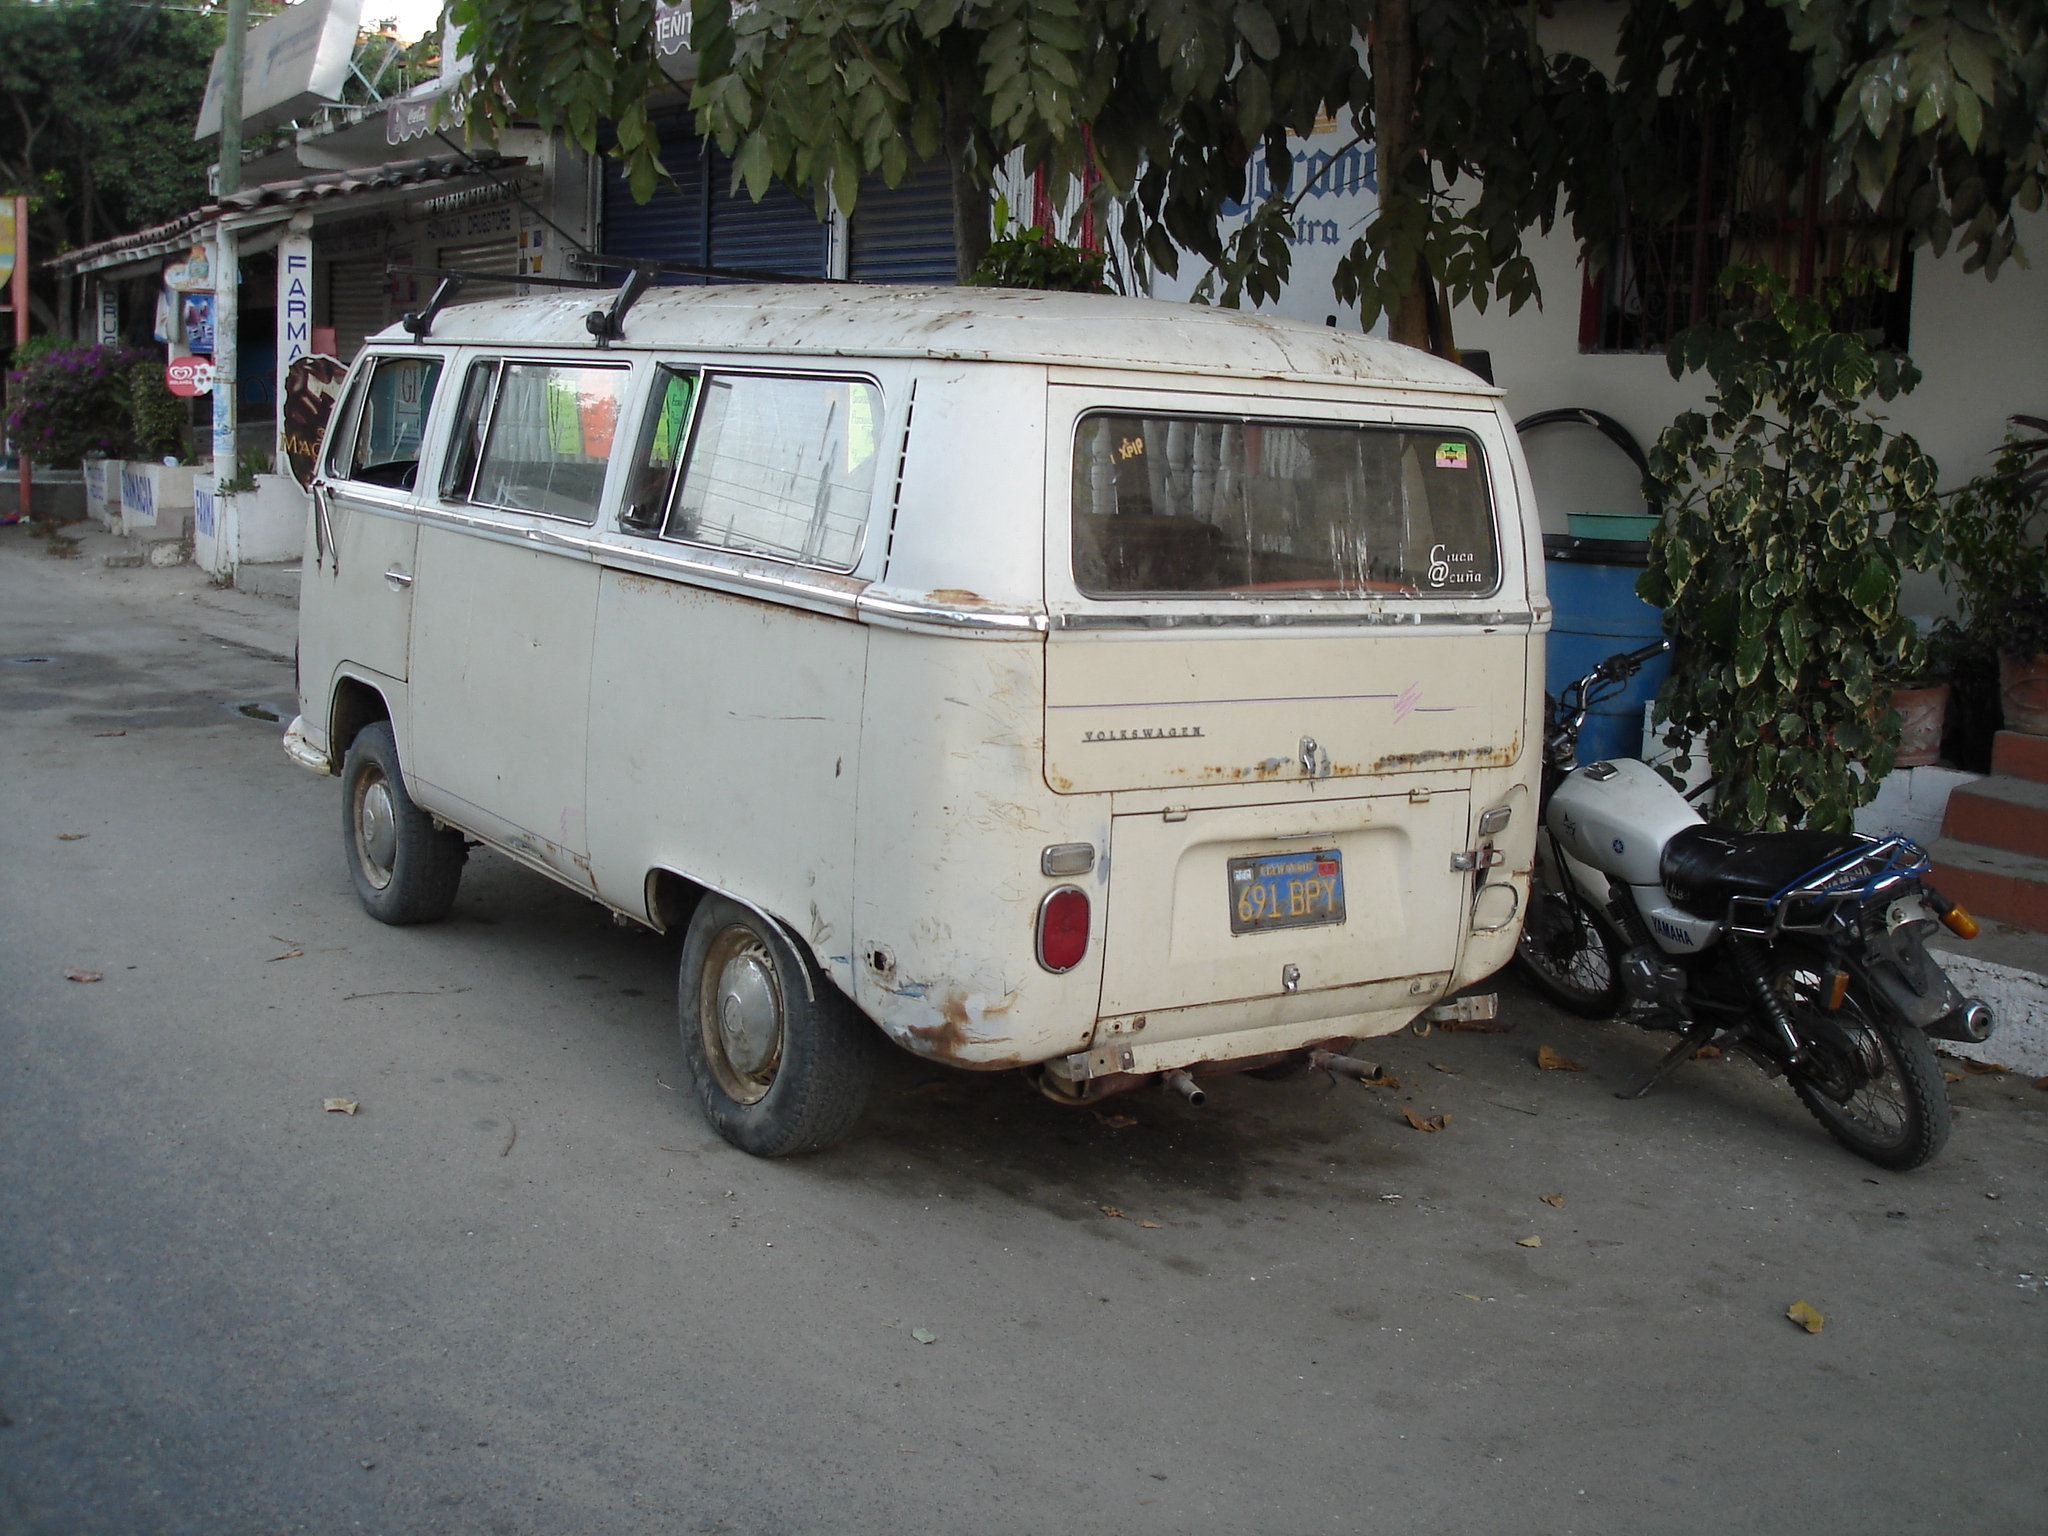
point(1793, 513)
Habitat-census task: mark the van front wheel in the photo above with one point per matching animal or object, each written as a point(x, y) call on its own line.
point(403, 869)
point(781, 1061)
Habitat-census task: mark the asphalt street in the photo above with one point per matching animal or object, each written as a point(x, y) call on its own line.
point(524, 1289)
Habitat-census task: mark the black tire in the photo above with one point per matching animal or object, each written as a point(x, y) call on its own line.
point(403, 869)
point(1566, 950)
point(1875, 1085)
point(783, 1063)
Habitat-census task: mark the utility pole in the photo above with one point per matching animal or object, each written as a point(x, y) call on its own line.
point(226, 263)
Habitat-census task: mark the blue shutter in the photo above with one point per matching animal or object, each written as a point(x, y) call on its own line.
point(904, 234)
point(670, 226)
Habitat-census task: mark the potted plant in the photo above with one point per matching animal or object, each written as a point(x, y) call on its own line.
point(1998, 531)
point(1793, 512)
point(156, 482)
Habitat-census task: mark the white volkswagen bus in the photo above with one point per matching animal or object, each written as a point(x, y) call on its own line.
point(1109, 689)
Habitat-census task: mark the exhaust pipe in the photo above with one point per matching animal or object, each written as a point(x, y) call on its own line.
point(1184, 1085)
point(1971, 1024)
point(1346, 1066)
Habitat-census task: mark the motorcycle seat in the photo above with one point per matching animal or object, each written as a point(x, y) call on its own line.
point(1703, 868)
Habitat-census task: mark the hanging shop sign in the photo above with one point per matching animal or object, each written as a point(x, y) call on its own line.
point(295, 61)
point(312, 384)
point(195, 315)
point(189, 376)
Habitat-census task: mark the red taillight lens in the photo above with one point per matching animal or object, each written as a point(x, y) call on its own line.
point(1063, 928)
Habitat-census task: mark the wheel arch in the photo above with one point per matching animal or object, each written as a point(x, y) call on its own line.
point(355, 703)
point(672, 900)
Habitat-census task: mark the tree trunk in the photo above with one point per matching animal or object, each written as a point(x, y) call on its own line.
point(970, 195)
point(1393, 112)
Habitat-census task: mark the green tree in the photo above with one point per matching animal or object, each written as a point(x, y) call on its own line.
point(97, 103)
point(1482, 134)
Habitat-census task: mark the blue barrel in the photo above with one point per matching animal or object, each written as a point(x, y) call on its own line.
point(1596, 614)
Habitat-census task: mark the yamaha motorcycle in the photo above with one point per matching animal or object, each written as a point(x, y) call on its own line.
point(1805, 951)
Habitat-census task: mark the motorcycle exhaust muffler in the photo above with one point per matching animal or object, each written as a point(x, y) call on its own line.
point(1970, 1024)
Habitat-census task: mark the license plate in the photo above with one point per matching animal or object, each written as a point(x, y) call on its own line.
point(1286, 890)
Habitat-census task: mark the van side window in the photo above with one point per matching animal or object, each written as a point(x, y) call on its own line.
point(662, 436)
point(1172, 506)
point(380, 439)
point(781, 466)
point(550, 438)
point(465, 443)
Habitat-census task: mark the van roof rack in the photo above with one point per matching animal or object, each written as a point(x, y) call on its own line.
point(607, 325)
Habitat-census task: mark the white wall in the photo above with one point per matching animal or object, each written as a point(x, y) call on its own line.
point(1982, 347)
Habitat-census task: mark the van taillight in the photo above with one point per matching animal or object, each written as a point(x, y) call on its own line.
point(1063, 928)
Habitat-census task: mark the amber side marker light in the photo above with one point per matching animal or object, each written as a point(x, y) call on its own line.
point(1838, 988)
point(1953, 917)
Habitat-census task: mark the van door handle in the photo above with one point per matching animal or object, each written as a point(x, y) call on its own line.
point(398, 579)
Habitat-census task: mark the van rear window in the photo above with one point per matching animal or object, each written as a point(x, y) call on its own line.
point(1175, 506)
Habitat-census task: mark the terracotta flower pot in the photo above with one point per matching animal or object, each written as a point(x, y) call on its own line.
point(1922, 714)
point(2023, 692)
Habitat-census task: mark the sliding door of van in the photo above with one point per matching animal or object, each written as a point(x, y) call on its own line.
point(506, 607)
point(1283, 636)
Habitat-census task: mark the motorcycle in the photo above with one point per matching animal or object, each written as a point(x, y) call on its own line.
point(1804, 951)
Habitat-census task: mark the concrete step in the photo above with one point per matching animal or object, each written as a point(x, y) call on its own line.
point(277, 582)
point(1999, 812)
point(2017, 755)
point(1990, 882)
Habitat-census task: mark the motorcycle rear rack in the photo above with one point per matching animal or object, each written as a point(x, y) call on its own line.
point(1863, 876)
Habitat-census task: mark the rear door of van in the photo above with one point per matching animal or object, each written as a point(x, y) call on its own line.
point(1281, 638)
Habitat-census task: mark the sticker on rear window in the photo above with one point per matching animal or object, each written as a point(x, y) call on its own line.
point(1450, 456)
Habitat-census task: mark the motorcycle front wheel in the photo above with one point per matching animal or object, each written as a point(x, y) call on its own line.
point(1876, 1087)
point(1565, 949)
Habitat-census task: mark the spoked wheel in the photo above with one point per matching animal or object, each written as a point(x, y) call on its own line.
point(781, 1060)
point(1565, 948)
point(1874, 1083)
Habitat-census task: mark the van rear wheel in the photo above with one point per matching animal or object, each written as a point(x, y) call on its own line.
point(403, 868)
point(781, 1061)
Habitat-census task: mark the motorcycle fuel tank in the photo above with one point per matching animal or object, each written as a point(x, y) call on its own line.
point(1617, 816)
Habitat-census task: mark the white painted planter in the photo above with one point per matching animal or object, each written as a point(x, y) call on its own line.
point(271, 521)
point(103, 492)
point(208, 545)
point(156, 499)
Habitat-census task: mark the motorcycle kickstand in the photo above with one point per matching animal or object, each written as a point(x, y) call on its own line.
point(1695, 1036)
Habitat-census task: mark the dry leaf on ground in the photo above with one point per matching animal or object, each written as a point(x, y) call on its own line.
point(1112, 1212)
point(79, 973)
point(1528, 1242)
point(1552, 1061)
point(341, 1106)
point(1552, 1200)
point(2041, 1083)
point(1983, 1068)
point(1150, 1226)
point(1707, 1053)
point(1951, 1077)
point(1806, 1317)
point(1117, 1122)
point(1381, 1078)
point(71, 837)
point(294, 953)
point(1442, 1068)
point(110, 733)
point(1433, 1123)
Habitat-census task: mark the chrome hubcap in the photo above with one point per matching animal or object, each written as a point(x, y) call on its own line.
point(376, 831)
point(742, 1015)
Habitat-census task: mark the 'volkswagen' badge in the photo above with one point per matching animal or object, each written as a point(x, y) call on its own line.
point(1617, 845)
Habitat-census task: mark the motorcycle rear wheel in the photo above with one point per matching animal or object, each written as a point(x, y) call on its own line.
point(1566, 950)
point(1897, 1116)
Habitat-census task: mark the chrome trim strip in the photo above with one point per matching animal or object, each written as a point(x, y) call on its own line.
point(911, 613)
point(1268, 619)
point(823, 592)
